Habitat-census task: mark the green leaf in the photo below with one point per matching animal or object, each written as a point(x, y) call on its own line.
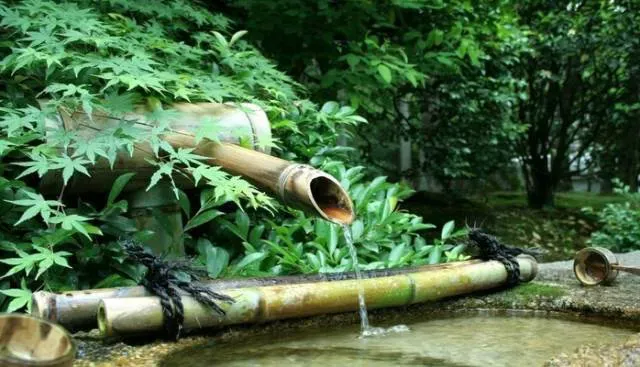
point(385, 73)
point(21, 298)
point(118, 186)
point(44, 265)
point(455, 252)
point(333, 238)
point(242, 223)
point(250, 259)
point(396, 253)
point(435, 255)
point(236, 37)
point(357, 229)
point(330, 108)
point(37, 204)
point(71, 222)
point(185, 204)
point(446, 230)
point(473, 53)
point(352, 60)
point(220, 39)
point(202, 218)
point(215, 258)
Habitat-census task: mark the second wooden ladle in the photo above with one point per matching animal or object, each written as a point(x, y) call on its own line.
point(598, 265)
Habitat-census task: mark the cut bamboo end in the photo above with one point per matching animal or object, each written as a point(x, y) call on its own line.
point(143, 315)
point(315, 191)
point(77, 310)
point(595, 265)
point(41, 304)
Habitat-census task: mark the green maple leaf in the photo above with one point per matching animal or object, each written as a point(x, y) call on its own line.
point(36, 205)
point(71, 222)
point(69, 165)
point(21, 297)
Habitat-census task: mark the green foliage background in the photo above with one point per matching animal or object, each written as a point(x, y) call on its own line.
point(109, 57)
point(620, 222)
point(471, 87)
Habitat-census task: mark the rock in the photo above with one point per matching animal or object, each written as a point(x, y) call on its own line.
point(622, 355)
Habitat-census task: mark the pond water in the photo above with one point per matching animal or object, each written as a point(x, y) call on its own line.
point(471, 340)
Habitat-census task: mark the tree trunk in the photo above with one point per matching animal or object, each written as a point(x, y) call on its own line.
point(606, 186)
point(540, 195)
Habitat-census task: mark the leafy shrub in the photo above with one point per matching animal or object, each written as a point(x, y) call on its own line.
point(114, 56)
point(620, 222)
point(383, 235)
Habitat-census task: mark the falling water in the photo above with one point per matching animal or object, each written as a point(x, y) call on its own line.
point(364, 318)
point(366, 329)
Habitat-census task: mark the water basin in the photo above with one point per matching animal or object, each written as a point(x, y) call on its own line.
point(468, 340)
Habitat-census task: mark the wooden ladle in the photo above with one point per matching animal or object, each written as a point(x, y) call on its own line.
point(598, 265)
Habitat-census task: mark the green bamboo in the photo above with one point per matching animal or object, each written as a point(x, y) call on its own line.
point(143, 315)
point(77, 310)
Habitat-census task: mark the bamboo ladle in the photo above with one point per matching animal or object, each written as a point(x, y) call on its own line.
point(598, 265)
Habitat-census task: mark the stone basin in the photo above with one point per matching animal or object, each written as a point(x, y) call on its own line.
point(555, 295)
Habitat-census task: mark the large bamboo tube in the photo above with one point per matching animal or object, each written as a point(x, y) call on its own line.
point(297, 185)
point(235, 123)
point(127, 316)
point(77, 310)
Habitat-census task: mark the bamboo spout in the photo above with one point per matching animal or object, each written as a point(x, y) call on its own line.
point(297, 185)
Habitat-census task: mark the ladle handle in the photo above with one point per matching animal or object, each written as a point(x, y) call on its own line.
point(627, 269)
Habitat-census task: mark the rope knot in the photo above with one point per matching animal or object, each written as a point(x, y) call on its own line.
point(491, 249)
point(165, 281)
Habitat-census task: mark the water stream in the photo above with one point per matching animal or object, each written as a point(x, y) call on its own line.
point(364, 317)
point(366, 329)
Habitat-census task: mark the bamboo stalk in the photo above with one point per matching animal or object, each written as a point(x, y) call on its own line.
point(127, 316)
point(235, 123)
point(296, 185)
point(77, 310)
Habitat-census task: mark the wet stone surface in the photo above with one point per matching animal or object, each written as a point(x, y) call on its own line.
point(555, 290)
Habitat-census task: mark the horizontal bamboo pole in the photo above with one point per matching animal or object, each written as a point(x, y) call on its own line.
point(77, 310)
point(143, 315)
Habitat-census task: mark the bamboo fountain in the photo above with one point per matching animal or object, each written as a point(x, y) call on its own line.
point(132, 310)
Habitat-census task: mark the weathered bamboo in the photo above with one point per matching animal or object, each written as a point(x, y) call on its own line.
point(297, 185)
point(77, 310)
point(235, 123)
point(127, 316)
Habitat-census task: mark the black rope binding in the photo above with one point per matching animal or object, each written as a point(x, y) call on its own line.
point(491, 249)
point(162, 279)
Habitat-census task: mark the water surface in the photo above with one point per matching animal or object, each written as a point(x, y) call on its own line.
point(477, 340)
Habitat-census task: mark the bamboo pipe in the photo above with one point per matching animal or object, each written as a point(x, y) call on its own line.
point(241, 123)
point(143, 315)
point(77, 310)
point(296, 185)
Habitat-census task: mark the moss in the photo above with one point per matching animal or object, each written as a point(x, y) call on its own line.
point(530, 291)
